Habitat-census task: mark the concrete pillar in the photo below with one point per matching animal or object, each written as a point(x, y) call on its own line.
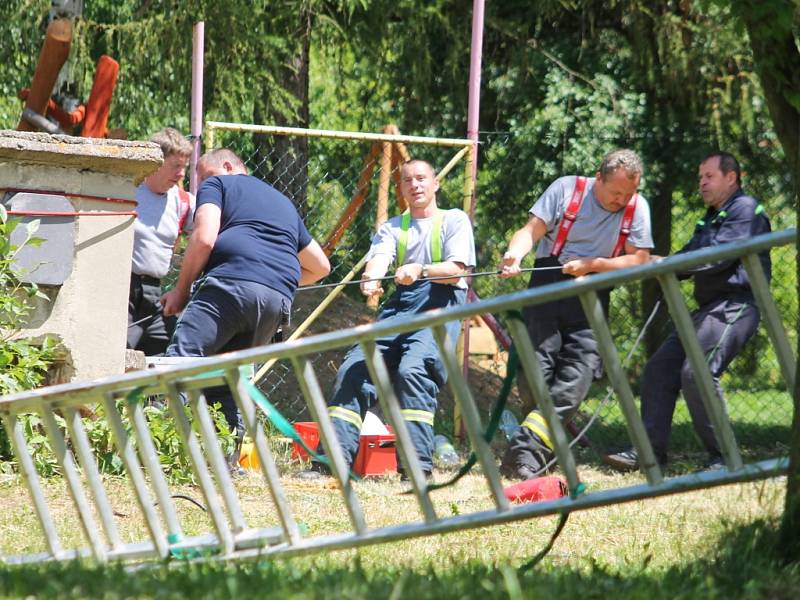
point(88, 311)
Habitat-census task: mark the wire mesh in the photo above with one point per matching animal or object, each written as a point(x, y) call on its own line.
point(325, 176)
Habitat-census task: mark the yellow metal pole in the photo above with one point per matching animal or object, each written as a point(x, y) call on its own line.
point(341, 135)
point(209, 136)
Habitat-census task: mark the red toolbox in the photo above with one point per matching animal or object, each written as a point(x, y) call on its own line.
point(375, 456)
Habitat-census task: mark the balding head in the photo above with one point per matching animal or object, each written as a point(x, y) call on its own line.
point(219, 162)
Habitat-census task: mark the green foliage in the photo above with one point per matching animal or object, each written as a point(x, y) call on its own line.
point(170, 450)
point(23, 363)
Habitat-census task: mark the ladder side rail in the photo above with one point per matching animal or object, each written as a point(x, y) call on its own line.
point(472, 420)
point(269, 469)
point(392, 412)
point(714, 405)
point(338, 339)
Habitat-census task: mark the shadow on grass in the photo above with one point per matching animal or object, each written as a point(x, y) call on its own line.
point(742, 564)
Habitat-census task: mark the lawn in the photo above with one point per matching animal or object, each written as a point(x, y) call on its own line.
point(713, 543)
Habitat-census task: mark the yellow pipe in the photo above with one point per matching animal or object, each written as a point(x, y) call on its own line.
point(342, 135)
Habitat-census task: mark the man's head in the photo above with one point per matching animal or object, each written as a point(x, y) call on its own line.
point(719, 177)
point(177, 151)
point(419, 184)
point(219, 162)
point(617, 179)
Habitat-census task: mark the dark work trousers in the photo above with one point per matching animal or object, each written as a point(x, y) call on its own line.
point(152, 335)
point(224, 315)
point(413, 361)
point(723, 327)
point(567, 351)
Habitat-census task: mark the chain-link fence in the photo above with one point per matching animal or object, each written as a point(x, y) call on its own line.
point(345, 185)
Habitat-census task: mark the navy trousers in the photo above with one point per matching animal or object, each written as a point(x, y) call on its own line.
point(414, 363)
point(224, 315)
point(723, 328)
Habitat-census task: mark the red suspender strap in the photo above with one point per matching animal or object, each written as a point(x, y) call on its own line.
point(625, 227)
point(570, 215)
point(184, 209)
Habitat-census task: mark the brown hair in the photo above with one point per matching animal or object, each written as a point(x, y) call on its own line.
point(172, 142)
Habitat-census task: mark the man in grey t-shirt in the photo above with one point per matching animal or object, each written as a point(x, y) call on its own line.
point(426, 242)
point(563, 339)
point(164, 210)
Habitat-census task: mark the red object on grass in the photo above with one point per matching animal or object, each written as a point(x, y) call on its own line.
point(375, 456)
point(536, 490)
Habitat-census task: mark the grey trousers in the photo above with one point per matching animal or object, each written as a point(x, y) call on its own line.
point(723, 328)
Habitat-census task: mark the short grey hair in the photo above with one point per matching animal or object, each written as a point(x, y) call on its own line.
point(624, 159)
point(219, 156)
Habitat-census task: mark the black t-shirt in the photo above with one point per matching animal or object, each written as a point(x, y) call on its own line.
point(260, 232)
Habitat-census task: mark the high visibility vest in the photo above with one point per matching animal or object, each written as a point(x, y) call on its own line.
point(436, 237)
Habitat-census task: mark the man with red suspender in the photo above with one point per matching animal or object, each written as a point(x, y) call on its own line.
point(585, 225)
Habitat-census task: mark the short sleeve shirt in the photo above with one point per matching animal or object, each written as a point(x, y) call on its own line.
point(595, 232)
point(260, 233)
point(156, 229)
point(458, 244)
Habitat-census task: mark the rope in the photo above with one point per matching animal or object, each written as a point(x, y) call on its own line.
point(437, 278)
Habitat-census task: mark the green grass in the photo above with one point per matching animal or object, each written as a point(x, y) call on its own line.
point(712, 543)
point(740, 564)
point(761, 423)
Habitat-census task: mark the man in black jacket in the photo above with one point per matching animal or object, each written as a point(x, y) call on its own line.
point(726, 318)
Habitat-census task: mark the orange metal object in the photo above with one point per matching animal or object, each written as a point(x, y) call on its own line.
point(52, 57)
point(99, 104)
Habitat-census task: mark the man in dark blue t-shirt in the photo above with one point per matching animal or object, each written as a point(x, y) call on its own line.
point(252, 250)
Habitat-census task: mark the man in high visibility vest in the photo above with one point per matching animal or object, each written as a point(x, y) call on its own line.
point(425, 242)
point(726, 317)
point(584, 225)
point(164, 210)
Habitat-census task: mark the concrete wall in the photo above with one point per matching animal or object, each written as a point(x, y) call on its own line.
point(89, 311)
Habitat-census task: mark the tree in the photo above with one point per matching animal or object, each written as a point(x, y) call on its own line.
point(771, 27)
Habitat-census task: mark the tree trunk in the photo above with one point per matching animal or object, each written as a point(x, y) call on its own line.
point(283, 160)
point(777, 62)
